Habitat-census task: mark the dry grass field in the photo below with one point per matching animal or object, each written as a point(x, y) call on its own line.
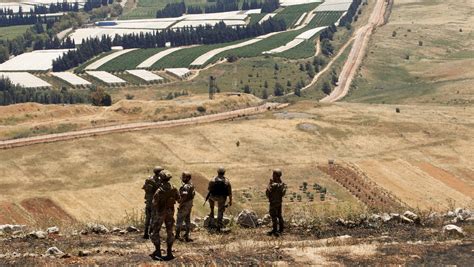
point(424, 54)
point(28, 119)
point(422, 155)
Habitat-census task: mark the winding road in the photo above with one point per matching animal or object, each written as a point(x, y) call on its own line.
point(357, 53)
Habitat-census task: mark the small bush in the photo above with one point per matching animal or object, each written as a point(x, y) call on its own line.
point(201, 109)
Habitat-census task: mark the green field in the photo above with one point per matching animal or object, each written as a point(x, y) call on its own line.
point(130, 60)
point(148, 8)
point(255, 18)
point(292, 13)
point(183, 58)
point(11, 32)
point(307, 48)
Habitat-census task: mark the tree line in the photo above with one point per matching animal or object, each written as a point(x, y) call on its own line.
point(12, 94)
point(220, 33)
point(44, 9)
point(172, 10)
point(87, 50)
point(346, 20)
point(91, 4)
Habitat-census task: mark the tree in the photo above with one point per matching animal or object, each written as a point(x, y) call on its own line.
point(278, 90)
point(4, 55)
point(326, 88)
point(265, 84)
point(247, 89)
point(100, 98)
point(310, 70)
point(265, 93)
point(288, 83)
point(297, 91)
point(276, 67)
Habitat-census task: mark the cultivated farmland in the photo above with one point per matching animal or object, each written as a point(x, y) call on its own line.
point(145, 75)
point(70, 78)
point(38, 60)
point(97, 64)
point(291, 14)
point(25, 79)
point(131, 60)
point(105, 77)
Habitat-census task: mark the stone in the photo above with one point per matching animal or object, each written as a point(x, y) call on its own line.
point(132, 229)
point(97, 228)
point(405, 219)
point(225, 221)
point(38, 234)
point(375, 218)
point(52, 230)
point(115, 230)
point(9, 228)
point(247, 219)
point(193, 226)
point(458, 211)
point(386, 217)
point(266, 219)
point(54, 251)
point(452, 229)
point(450, 214)
point(412, 216)
point(84, 253)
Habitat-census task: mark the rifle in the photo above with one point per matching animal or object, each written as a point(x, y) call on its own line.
point(207, 198)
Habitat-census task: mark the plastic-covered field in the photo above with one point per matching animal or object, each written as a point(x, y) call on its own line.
point(70, 78)
point(300, 20)
point(105, 77)
point(93, 32)
point(334, 5)
point(179, 72)
point(25, 79)
point(145, 75)
point(96, 64)
point(307, 35)
point(207, 56)
point(298, 2)
point(197, 23)
point(151, 60)
point(38, 60)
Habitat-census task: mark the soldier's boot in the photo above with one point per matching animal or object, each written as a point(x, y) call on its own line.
point(156, 255)
point(146, 234)
point(186, 236)
point(282, 227)
point(274, 230)
point(169, 252)
point(177, 235)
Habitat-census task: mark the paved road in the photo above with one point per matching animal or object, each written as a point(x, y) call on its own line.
point(138, 126)
point(357, 53)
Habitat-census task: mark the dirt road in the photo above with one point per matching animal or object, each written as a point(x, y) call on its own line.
point(357, 53)
point(138, 126)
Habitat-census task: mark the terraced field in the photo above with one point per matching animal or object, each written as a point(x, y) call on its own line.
point(148, 8)
point(130, 60)
point(292, 13)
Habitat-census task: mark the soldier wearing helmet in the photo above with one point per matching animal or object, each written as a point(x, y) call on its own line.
point(151, 185)
point(275, 192)
point(163, 207)
point(219, 190)
point(186, 193)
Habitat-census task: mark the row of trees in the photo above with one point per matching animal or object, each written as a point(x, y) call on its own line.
point(11, 94)
point(43, 9)
point(219, 33)
point(346, 20)
point(91, 4)
point(25, 19)
point(87, 50)
point(172, 10)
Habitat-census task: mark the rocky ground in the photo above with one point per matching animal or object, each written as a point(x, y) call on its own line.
point(377, 239)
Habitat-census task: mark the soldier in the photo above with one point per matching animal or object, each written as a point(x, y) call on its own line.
point(275, 192)
point(150, 187)
point(186, 193)
point(219, 190)
point(163, 207)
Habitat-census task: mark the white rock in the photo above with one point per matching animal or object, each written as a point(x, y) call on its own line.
point(458, 211)
point(97, 228)
point(248, 219)
point(54, 251)
point(405, 219)
point(38, 234)
point(410, 215)
point(131, 229)
point(52, 230)
point(452, 229)
point(266, 219)
point(9, 228)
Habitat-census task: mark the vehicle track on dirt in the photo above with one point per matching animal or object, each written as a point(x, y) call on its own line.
point(357, 53)
point(139, 126)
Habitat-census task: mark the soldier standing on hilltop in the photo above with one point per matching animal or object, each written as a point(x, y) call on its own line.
point(275, 192)
point(150, 187)
point(186, 193)
point(163, 207)
point(219, 190)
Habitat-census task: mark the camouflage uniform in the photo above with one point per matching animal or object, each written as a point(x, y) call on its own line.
point(275, 192)
point(186, 193)
point(219, 189)
point(150, 187)
point(163, 207)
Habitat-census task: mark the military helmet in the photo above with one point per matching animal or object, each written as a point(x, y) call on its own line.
point(221, 170)
point(166, 175)
point(186, 175)
point(157, 169)
point(277, 172)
